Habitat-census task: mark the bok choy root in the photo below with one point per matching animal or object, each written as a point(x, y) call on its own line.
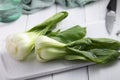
point(20, 45)
point(72, 45)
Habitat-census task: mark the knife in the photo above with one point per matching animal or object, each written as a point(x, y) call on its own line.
point(110, 15)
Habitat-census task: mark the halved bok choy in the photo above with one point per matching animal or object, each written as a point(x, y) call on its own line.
point(20, 45)
point(73, 45)
point(53, 47)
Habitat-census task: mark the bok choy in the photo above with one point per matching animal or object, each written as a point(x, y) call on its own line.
point(20, 45)
point(53, 48)
point(71, 44)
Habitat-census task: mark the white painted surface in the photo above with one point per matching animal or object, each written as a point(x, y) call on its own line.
point(95, 12)
point(92, 16)
point(39, 17)
point(10, 28)
point(105, 72)
point(76, 17)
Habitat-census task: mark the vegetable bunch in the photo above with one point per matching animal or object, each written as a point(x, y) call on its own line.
point(70, 44)
point(20, 45)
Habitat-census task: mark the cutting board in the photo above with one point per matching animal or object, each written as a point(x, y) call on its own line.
point(16, 70)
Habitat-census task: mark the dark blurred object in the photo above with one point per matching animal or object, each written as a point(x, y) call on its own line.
point(111, 15)
point(118, 33)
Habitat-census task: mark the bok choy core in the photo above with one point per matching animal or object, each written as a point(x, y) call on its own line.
point(63, 46)
point(48, 49)
point(20, 45)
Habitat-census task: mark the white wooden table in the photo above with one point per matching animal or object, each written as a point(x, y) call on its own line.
point(92, 16)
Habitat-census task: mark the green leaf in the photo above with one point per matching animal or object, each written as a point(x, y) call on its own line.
point(71, 34)
point(95, 55)
point(105, 55)
point(50, 22)
point(93, 43)
point(103, 43)
point(51, 34)
point(80, 44)
point(75, 57)
point(88, 55)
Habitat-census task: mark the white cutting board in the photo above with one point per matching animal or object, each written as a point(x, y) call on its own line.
point(16, 70)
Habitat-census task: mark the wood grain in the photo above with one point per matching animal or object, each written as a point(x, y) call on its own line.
point(105, 72)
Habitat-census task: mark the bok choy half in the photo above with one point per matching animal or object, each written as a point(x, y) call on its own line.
point(20, 45)
point(72, 44)
point(47, 48)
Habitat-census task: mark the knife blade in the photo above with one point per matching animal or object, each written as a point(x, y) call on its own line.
point(110, 15)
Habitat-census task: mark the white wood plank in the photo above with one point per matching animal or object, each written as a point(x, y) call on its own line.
point(2, 72)
point(7, 29)
point(97, 30)
point(78, 74)
point(104, 72)
point(76, 17)
point(11, 28)
point(95, 12)
point(37, 18)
